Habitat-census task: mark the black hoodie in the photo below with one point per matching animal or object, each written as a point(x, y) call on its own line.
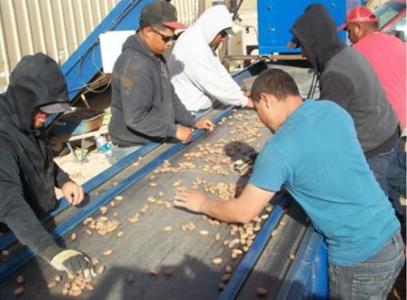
point(144, 104)
point(347, 78)
point(28, 174)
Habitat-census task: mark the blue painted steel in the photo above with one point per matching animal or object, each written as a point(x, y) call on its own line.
point(25, 255)
point(86, 61)
point(296, 282)
point(275, 18)
point(9, 238)
point(318, 283)
point(251, 257)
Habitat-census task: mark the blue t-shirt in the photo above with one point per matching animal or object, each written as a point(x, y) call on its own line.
point(317, 157)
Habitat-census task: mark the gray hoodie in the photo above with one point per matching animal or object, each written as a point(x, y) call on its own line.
point(144, 105)
point(348, 79)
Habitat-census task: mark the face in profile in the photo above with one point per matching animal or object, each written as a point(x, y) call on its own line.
point(352, 30)
point(218, 39)
point(159, 38)
point(38, 118)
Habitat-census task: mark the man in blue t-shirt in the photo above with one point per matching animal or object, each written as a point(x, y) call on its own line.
point(316, 156)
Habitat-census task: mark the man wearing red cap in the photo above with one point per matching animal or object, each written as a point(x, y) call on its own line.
point(144, 104)
point(387, 55)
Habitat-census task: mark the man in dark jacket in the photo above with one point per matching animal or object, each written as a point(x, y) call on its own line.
point(144, 104)
point(348, 79)
point(28, 174)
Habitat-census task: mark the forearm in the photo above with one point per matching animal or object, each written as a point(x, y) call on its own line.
point(226, 211)
point(60, 176)
point(28, 229)
point(155, 129)
point(182, 115)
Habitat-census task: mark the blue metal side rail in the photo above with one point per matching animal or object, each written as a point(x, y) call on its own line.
point(251, 257)
point(307, 277)
point(25, 254)
point(86, 61)
point(9, 238)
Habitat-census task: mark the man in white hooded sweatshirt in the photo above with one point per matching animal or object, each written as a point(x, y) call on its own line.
point(196, 72)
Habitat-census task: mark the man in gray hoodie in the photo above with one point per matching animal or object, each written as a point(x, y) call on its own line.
point(347, 79)
point(144, 105)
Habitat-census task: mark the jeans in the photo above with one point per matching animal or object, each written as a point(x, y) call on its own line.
point(372, 279)
point(396, 175)
point(120, 152)
point(389, 170)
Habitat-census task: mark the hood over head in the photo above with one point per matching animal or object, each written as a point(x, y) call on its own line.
point(212, 21)
point(316, 33)
point(36, 81)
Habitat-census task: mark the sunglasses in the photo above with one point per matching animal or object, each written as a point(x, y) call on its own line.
point(165, 38)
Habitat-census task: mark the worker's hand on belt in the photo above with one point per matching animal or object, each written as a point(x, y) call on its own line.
point(249, 103)
point(184, 134)
point(191, 200)
point(205, 124)
point(245, 166)
point(74, 262)
point(73, 192)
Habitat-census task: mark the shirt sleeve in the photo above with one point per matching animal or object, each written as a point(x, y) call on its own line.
point(271, 170)
point(182, 115)
point(15, 212)
point(60, 176)
point(209, 75)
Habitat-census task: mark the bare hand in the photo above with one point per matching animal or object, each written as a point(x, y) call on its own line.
point(249, 102)
point(191, 200)
point(73, 192)
point(184, 134)
point(205, 124)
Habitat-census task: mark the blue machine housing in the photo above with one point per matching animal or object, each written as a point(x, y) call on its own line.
point(275, 17)
point(86, 61)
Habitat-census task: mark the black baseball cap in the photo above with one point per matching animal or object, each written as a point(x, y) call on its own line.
point(56, 107)
point(160, 12)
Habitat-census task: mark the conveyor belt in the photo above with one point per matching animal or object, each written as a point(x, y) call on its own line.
point(23, 255)
point(271, 269)
point(145, 244)
point(182, 259)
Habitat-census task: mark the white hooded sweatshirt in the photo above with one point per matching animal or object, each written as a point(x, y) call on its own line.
point(196, 72)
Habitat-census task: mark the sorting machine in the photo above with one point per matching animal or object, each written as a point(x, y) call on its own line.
point(147, 249)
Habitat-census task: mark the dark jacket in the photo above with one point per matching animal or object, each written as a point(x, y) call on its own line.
point(144, 105)
point(347, 78)
point(28, 174)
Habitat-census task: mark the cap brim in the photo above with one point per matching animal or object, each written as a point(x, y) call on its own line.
point(342, 27)
point(294, 43)
point(56, 108)
point(174, 25)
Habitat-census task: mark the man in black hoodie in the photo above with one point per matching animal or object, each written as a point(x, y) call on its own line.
point(28, 174)
point(144, 104)
point(348, 79)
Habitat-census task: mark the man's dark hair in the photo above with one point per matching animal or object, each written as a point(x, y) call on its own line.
point(275, 82)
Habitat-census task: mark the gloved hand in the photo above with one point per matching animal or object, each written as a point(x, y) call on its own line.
point(74, 262)
point(245, 166)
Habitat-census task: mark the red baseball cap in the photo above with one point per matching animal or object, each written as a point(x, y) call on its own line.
point(359, 14)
